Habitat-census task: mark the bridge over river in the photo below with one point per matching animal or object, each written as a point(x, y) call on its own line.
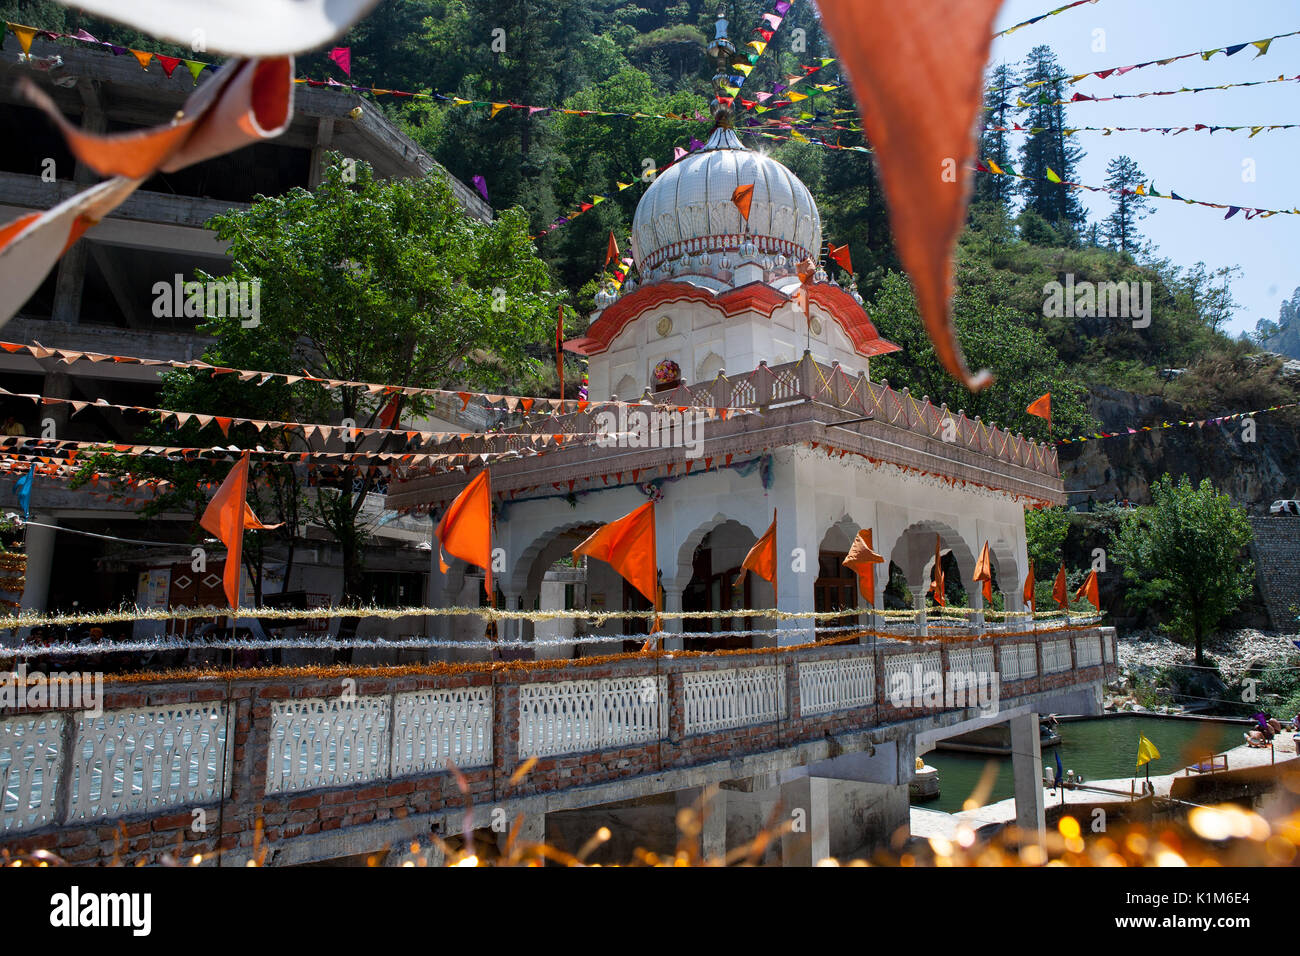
point(321, 765)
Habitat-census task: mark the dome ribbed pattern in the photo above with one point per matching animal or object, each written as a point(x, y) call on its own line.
point(688, 209)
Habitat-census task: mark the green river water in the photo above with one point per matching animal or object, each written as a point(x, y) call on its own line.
point(1099, 748)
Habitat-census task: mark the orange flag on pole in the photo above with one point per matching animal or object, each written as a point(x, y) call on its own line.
point(984, 572)
point(611, 251)
point(863, 559)
point(1059, 594)
point(937, 586)
point(465, 531)
point(742, 197)
point(1089, 590)
point(762, 557)
point(1028, 595)
point(227, 517)
point(1042, 407)
point(628, 546)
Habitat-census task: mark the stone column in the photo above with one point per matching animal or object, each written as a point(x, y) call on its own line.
point(71, 275)
point(40, 558)
point(1027, 767)
point(919, 593)
point(673, 602)
point(977, 605)
point(510, 630)
point(806, 807)
point(709, 838)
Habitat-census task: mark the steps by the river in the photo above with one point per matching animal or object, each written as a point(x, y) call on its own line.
point(1276, 552)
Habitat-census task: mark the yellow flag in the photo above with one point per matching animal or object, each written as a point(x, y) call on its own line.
point(1146, 751)
point(497, 108)
point(994, 168)
point(24, 34)
point(1141, 190)
point(1051, 175)
point(743, 68)
point(796, 97)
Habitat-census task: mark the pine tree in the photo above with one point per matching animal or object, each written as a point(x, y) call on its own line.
point(995, 142)
point(1120, 228)
point(1048, 147)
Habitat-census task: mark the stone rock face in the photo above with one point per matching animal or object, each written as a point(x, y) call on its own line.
point(1254, 473)
point(1277, 566)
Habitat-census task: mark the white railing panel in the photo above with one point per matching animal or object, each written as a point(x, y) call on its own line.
point(435, 729)
point(131, 761)
point(1028, 661)
point(1088, 650)
point(30, 765)
point(559, 717)
point(905, 675)
point(982, 660)
point(718, 700)
point(841, 684)
point(1056, 656)
point(632, 710)
point(327, 742)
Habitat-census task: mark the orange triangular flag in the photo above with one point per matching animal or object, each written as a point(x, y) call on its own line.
point(227, 517)
point(840, 254)
point(743, 196)
point(1089, 590)
point(611, 252)
point(628, 546)
point(143, 56)
point(984, 572)
point(1028, 595)
point(1058, 590)
point(938, 588)
point(863, 560)
point(465, 531)
point(903, 68)
point(762, 558)
point(1042, 407)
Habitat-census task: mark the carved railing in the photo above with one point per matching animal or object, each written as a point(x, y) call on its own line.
point(64, 767)
point(807, 380)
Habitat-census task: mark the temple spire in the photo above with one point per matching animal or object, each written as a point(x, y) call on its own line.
point(721, 49)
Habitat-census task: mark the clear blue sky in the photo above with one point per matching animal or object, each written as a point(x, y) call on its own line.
point(1196, 165)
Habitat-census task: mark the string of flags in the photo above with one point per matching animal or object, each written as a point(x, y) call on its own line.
point(169, 64)
point(1041, 16)
point(498, 402)
point(992, 168)
point(1261, 47)
point(1191, 423)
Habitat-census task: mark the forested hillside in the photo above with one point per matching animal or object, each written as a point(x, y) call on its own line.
point(650, 57)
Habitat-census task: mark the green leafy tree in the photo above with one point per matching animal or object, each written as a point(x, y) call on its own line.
point(1045, 532)
point(382, 281)
point(1185, 554)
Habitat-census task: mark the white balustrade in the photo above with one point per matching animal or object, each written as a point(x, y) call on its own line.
point(906, 674)
point(1019, 661)
point(739, 697)
point(29, 770)
point(838, 684)
point(1028, 661)
point(327, 742)
point(1056, 656)
point(131, 761)
point(562, 717)
point(435, 729)
point(1088, 650)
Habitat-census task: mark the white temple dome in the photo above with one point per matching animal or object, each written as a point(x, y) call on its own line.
point(688, 209)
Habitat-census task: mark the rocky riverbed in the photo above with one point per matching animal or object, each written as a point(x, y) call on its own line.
point(1147, 657)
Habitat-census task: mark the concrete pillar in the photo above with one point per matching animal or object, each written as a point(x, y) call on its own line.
point(977, 605)
point(532, 829)
point(71, 275)
point(919, 593)
point(1026, 765)
point(40, 558)
point(708, 837)
point(673, 602)
point(806, 811)
point(510, 630)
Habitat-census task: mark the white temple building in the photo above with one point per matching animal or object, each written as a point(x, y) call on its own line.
point(711, 320)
